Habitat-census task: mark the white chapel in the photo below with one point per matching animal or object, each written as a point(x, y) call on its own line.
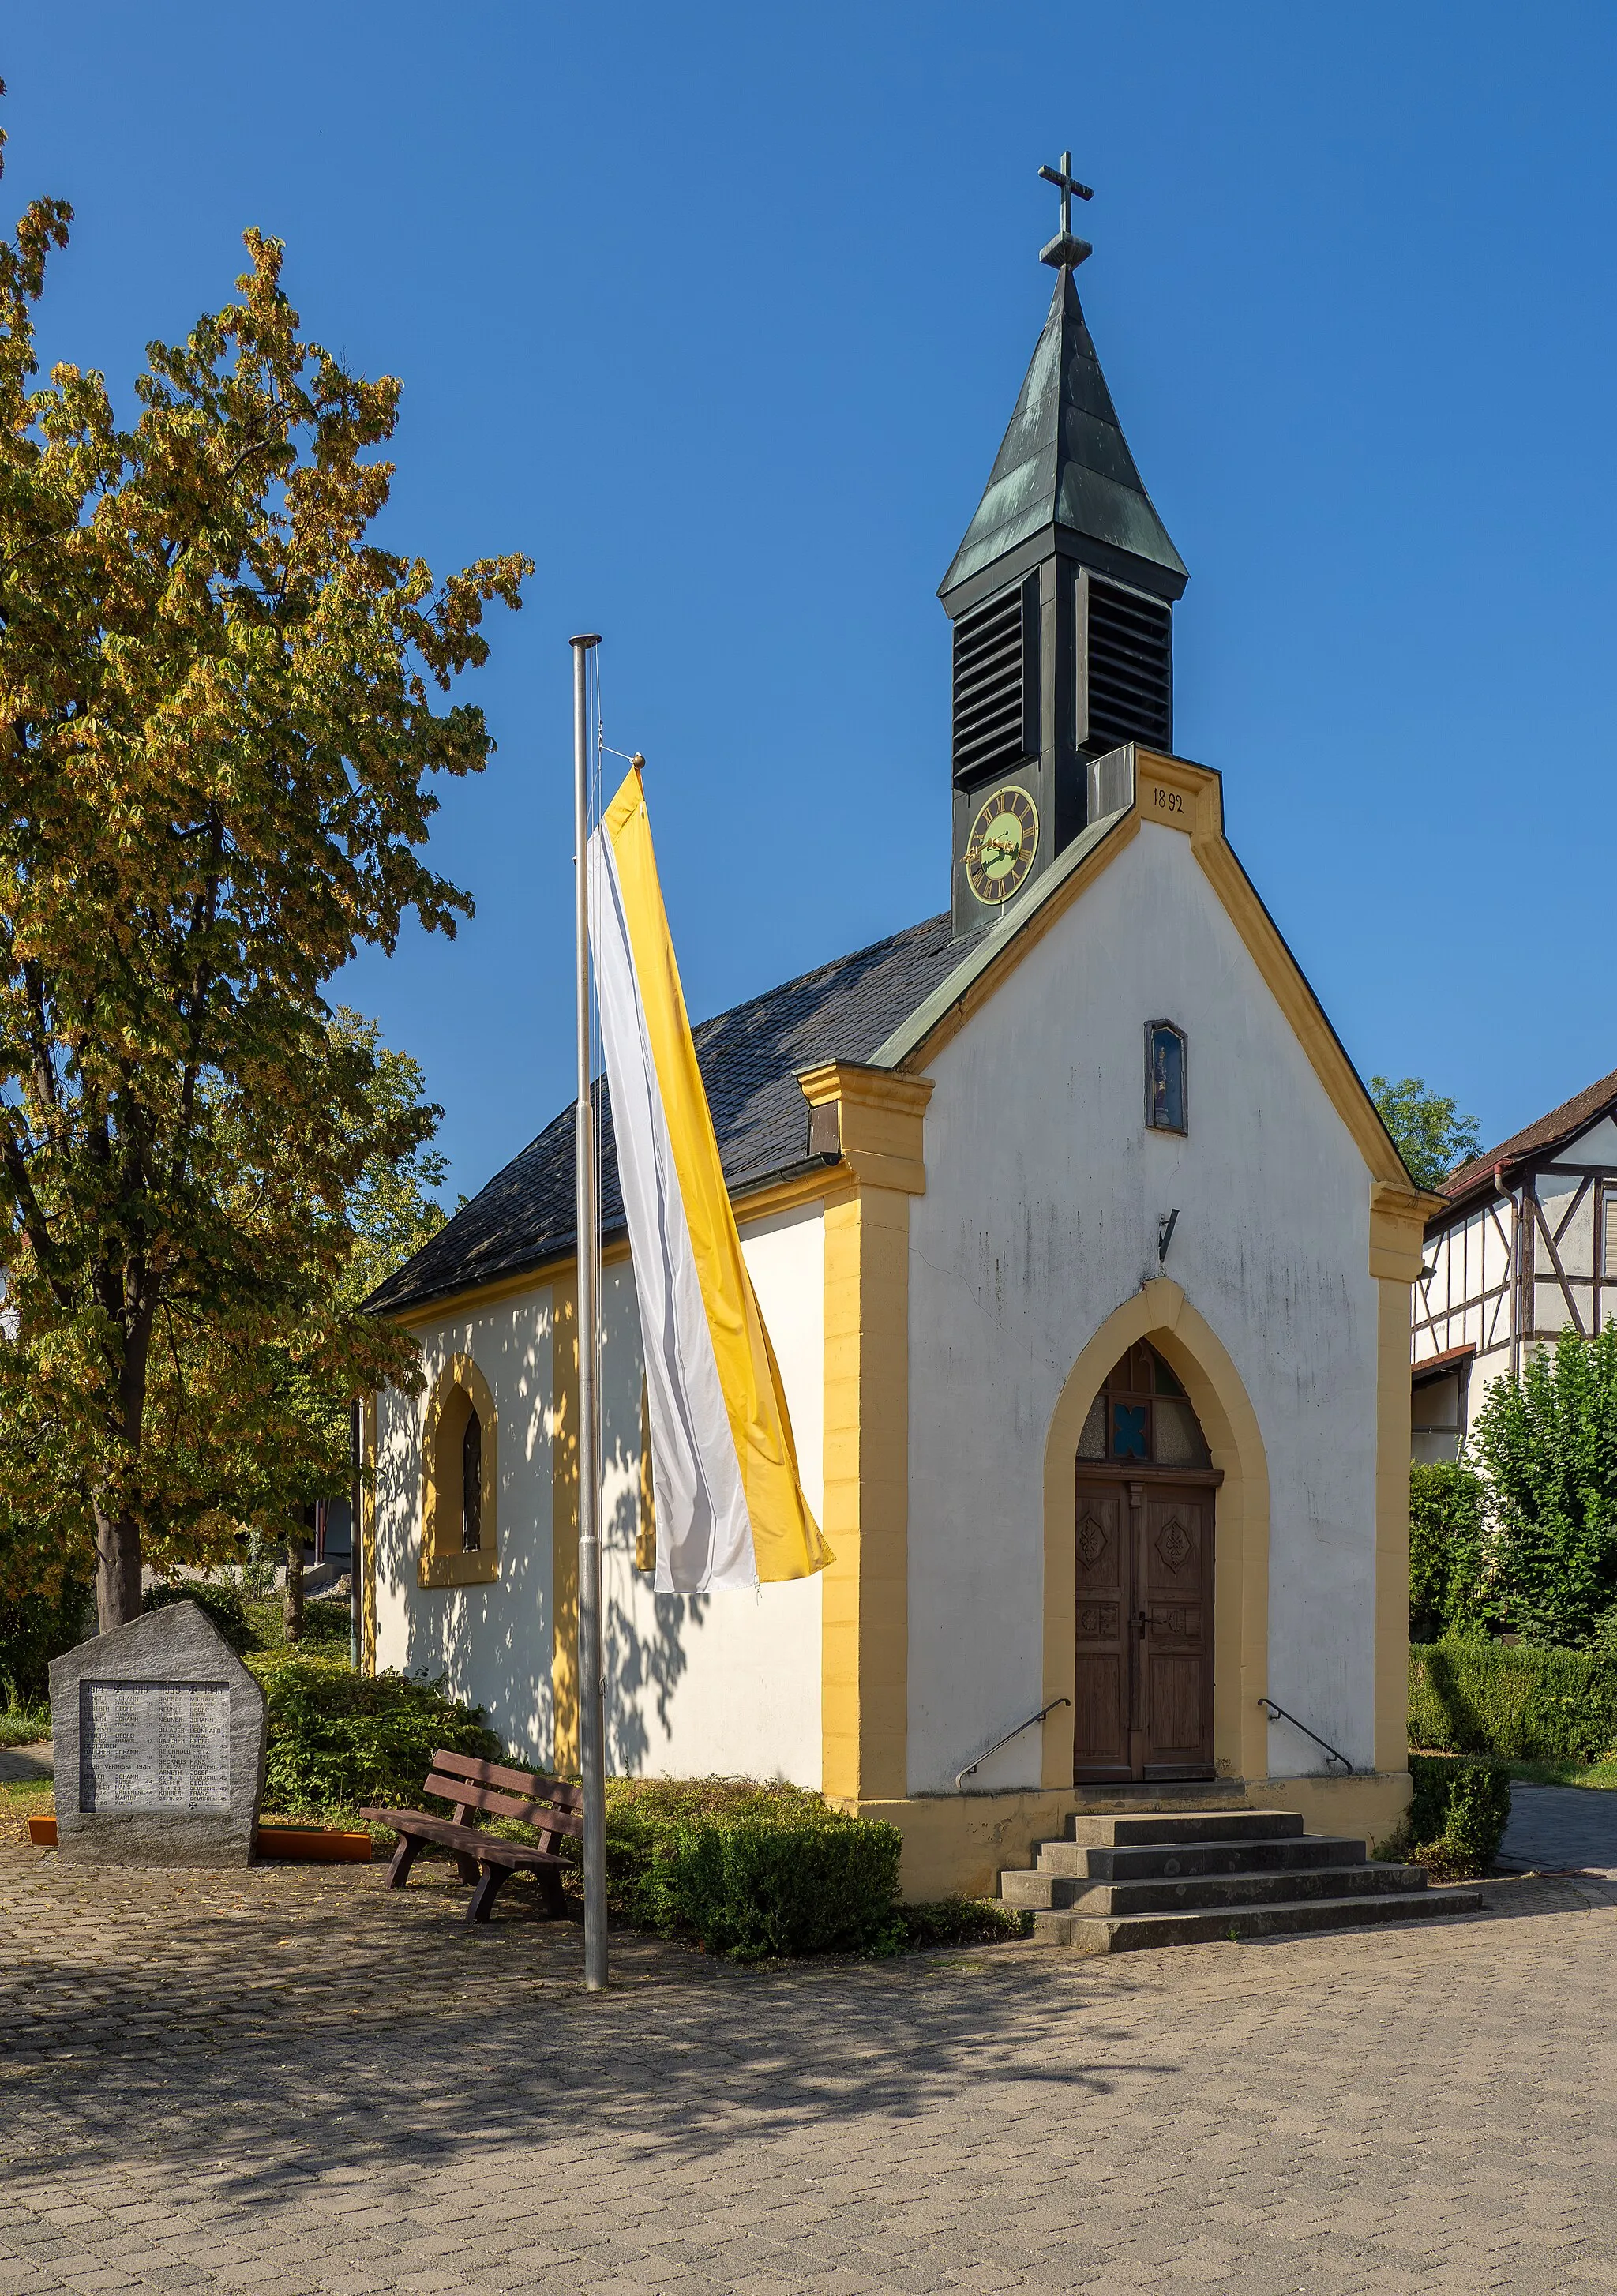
point(1086, 1258)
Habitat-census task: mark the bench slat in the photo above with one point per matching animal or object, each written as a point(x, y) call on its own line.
point(534, 1784)
point(488, 1848)
point(504, 1804)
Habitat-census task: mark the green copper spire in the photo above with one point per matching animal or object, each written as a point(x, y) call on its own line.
point(1065, 464)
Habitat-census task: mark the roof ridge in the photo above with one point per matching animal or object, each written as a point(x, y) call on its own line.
point(1569, 1116)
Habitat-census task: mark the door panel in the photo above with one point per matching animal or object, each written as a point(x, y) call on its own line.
point(1175, 1594)
point(1100, 1704)
point(1143, 1695)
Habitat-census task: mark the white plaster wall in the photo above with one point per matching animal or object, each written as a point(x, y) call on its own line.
point(1044, 1190)
point(726, 1683)
point(493, 1642)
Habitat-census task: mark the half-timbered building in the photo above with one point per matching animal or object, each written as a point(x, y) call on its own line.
point(1525, 1247)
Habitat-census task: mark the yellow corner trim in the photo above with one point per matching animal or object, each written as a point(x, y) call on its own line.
point(880, 1124)
point(1398, 1228)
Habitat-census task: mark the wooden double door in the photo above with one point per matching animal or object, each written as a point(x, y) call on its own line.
point(1144, 1546)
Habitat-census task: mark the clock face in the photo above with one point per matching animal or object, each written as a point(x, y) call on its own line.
point(1005, 838)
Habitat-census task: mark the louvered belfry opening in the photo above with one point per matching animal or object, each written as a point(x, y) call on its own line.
point(1129, 666)
point(997, 684)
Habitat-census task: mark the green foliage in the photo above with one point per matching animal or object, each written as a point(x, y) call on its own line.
point(963, 1921)
point(1457, 1814)
point(1428, 1131)
point(1546, 1441)
point(220, 1602)
point(1452, 1588)
point(1513, 1702)
point(392, 1206)
point(33, 1630)
point(751, 1870)
point(339, 1740)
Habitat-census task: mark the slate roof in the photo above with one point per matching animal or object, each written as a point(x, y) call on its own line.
point(1561, 1124)
point(749, 1057)
point(1065, 461)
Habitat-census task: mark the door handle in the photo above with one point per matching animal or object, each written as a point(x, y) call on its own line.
point(1142, 1620)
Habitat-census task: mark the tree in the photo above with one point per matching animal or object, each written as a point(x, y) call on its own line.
point(218, 720)
point(1428, 1131)
point(392, 1209)
point(392, 1206)
point(1547, 1443)
point(1452, 1574)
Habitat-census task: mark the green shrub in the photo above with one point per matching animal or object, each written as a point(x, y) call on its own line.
point(1546, 1441)
point(751, 1870)
point(339, 1740)
point(963, 1921)
point(1450, 1582)
point(35, 1628)
point(1513, 1702)
point(1457, 1814)
point(220, 1603)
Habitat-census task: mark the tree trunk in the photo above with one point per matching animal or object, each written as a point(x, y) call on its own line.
point(292, 1608)
point(117, 1593)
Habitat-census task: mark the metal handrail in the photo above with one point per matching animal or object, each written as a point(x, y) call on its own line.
point(1279, 1714)
point(972, 1768)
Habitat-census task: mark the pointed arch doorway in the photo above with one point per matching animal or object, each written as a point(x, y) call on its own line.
point(1145, 1497)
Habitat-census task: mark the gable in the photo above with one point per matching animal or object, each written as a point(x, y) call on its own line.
point(1047, 1078)
point(1597, 1145)
point(1185, 801)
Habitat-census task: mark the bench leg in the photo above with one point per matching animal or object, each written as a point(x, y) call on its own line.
point(550, 1889)
point(403, 1858)
point(494, 1880)
point(468, 1867)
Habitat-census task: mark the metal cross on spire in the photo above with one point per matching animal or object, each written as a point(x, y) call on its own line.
point(1066, 252)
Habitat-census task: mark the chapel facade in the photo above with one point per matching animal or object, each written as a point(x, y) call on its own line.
point(1086, 1258)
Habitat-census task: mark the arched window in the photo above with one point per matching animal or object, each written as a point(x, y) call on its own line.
point(1143, 1416)
point(472, 1485)
point(459, 1479)
point(1165, 1082)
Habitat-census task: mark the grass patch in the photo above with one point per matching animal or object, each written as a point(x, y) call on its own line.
point(24, 1725)
point(1567, 1774)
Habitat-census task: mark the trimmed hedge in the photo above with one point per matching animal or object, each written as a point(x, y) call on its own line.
point(339, 1740)
point(1511, 1700)
point(751, 1870)
point(1457, 1814)
point(220, 1603)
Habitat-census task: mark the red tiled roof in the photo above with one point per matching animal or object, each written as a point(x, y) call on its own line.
point(1572, 1116)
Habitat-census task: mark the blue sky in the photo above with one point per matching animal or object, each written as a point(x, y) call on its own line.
point(720, 312)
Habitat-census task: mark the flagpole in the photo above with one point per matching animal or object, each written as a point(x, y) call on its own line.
point(592, 1729)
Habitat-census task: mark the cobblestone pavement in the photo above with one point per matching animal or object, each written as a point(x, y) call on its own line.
point(291, 2080)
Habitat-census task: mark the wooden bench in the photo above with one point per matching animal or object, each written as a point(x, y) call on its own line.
point(549, 1805)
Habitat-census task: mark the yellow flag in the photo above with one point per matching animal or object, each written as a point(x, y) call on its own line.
point(730, 1505)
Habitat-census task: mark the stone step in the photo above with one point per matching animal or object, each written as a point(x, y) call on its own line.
point(1154, 1861)
point(1154, 1827)
point(1132, 1933)
point(1059, 1892)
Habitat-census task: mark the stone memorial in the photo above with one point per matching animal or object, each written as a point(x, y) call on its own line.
point(159, 1730)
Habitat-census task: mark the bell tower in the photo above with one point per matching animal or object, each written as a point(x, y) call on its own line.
point(1061, 597)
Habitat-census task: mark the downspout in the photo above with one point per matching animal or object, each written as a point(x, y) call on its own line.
point(1515, 1269)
